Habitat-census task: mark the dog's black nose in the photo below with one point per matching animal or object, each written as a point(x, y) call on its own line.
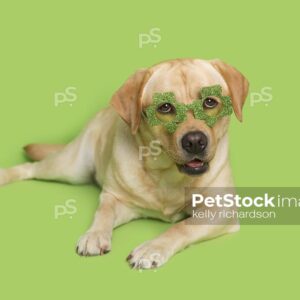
point(194, 142)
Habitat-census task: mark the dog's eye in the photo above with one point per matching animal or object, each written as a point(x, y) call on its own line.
point(166, 108)
point(210, 103)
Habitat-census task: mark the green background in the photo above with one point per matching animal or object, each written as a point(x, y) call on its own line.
point(47, 46)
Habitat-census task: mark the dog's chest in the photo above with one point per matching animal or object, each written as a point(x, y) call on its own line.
point(170, 199)
point(164, 194)
point(155, 186)
point(165, 203)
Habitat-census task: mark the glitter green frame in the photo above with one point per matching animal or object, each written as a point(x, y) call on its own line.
point(181, 109)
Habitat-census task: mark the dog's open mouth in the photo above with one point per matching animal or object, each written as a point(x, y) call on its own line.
point(194, 167)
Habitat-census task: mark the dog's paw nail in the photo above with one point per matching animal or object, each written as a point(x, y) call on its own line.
point(154, 264)
point(129, 257)
point(132, 265)
point(104, 251)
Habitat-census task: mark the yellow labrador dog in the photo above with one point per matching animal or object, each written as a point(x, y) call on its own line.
point(108, 152)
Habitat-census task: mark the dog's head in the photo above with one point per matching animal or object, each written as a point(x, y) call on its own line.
point(193, 144)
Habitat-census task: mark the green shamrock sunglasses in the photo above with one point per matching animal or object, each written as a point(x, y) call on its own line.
point(167, 111)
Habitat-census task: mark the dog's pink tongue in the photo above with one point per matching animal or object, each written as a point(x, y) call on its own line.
point(195, 163)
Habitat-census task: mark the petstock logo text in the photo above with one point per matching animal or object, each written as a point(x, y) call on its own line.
point(231, 200)
point(251, 206)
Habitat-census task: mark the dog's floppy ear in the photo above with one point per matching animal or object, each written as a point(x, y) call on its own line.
point(238, 85)
point(127, 99)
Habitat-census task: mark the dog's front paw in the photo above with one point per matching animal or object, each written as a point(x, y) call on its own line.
point(149, 255)
point(94, 243)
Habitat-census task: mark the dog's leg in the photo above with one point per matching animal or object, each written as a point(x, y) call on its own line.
point(41, 151)
point(73, 164)
point(110, 214)
point(156, 252)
